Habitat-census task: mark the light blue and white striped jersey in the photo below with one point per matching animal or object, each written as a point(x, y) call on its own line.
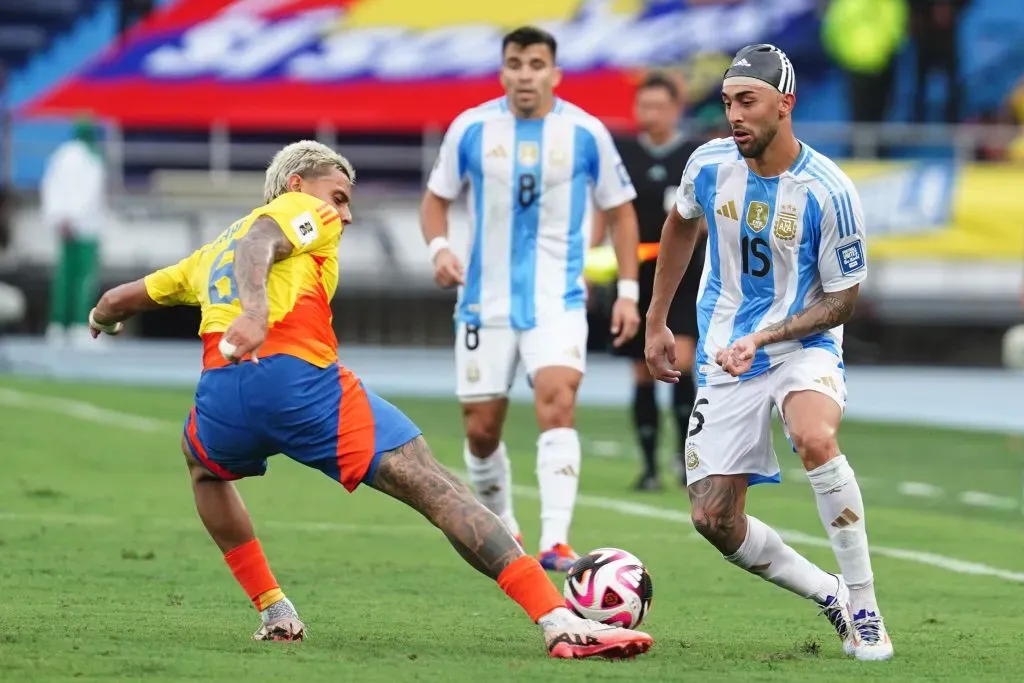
point(531, 185)
point(775, 246)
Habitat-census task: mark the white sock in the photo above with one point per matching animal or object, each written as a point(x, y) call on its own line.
point(491, 479)
point(764, 553)
point(558, 476)
point(560, 617)
point(841, 509)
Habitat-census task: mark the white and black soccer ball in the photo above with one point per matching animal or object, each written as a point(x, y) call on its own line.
point(611, 586)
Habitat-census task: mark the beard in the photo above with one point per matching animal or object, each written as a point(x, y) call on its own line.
point(758, 143)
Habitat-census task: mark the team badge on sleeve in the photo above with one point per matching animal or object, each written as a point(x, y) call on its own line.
point(624, 179)
point(851, 257)
point(305, 227)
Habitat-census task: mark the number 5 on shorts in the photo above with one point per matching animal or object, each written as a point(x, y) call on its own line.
point(698, 417)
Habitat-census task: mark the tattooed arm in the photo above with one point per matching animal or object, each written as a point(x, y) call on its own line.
point(255, 254)
point(832, 310)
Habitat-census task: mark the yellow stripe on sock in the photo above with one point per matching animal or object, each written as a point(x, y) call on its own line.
point(265, 600)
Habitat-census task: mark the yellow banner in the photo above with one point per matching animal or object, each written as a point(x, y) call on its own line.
point(941, 210)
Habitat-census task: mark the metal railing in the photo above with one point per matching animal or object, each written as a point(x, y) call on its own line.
point(220, 154)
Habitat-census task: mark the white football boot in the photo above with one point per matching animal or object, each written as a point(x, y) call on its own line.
point(281, 623)
point(836, 609)
point(871, 642)
point(570, 637)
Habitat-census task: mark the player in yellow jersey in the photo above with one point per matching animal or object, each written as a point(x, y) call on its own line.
point(271, 383)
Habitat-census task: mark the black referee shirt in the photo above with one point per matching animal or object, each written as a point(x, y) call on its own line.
point(655, 172)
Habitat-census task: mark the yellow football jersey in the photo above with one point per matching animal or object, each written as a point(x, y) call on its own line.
point(299, 288)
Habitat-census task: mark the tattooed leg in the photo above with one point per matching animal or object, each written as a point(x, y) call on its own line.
point(412, 475)
point(750, 544)
point(717, 504)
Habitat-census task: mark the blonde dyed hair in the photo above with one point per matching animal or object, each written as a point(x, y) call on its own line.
point(306, 158)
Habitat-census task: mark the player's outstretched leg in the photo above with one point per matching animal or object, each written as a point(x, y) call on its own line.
point(224, 515)
point(717, 503)
point(412, 475)
point(558, 462)
point(487, 464)
point(812, 419)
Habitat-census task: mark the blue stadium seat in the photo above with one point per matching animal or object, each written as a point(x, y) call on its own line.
point(29, 28)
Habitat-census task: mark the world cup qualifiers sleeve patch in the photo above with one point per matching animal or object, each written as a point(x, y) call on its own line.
point(624, 178)
point(851, 257)
point(305, 227)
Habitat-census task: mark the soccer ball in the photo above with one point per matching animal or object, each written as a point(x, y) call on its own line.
point(610, 586)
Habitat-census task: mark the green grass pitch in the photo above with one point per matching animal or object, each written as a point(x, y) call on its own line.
point(108, 575)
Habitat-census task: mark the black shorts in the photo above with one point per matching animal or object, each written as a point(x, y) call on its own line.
point(682, 312)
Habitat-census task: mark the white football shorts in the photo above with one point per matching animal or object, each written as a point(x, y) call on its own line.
point(486, 358)
point(730, 428)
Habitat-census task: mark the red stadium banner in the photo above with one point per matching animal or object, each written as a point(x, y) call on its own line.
point(388, 65)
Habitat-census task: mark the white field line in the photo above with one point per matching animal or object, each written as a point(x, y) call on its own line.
point(93, 413)
point(192, 524)
point(919, 490)
point(988, 500)
point(88, 412)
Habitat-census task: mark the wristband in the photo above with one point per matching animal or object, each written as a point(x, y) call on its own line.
point(629, 289)
point(227, 349)
point(109, 329)
point(436, 245)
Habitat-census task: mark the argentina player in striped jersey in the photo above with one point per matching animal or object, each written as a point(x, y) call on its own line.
point(784, 263)
point(534, 165)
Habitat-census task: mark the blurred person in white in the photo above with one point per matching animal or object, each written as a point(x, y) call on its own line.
point(73, 197)
point(534, 164)
point(785, 259)
point(12, 300)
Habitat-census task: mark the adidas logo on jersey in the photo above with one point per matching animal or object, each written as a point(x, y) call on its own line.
point(498, 152)
point(728, 210)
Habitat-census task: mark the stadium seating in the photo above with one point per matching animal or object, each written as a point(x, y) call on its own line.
point(28, 29)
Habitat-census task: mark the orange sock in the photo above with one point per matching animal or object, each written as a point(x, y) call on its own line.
point(526, 582)
point(249, 565)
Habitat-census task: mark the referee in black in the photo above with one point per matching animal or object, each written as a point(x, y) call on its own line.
point(655, 160)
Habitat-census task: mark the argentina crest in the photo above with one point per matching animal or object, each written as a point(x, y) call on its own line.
point(528, 153)
point(785, 223)
point(472, 371)
point(757, 216)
